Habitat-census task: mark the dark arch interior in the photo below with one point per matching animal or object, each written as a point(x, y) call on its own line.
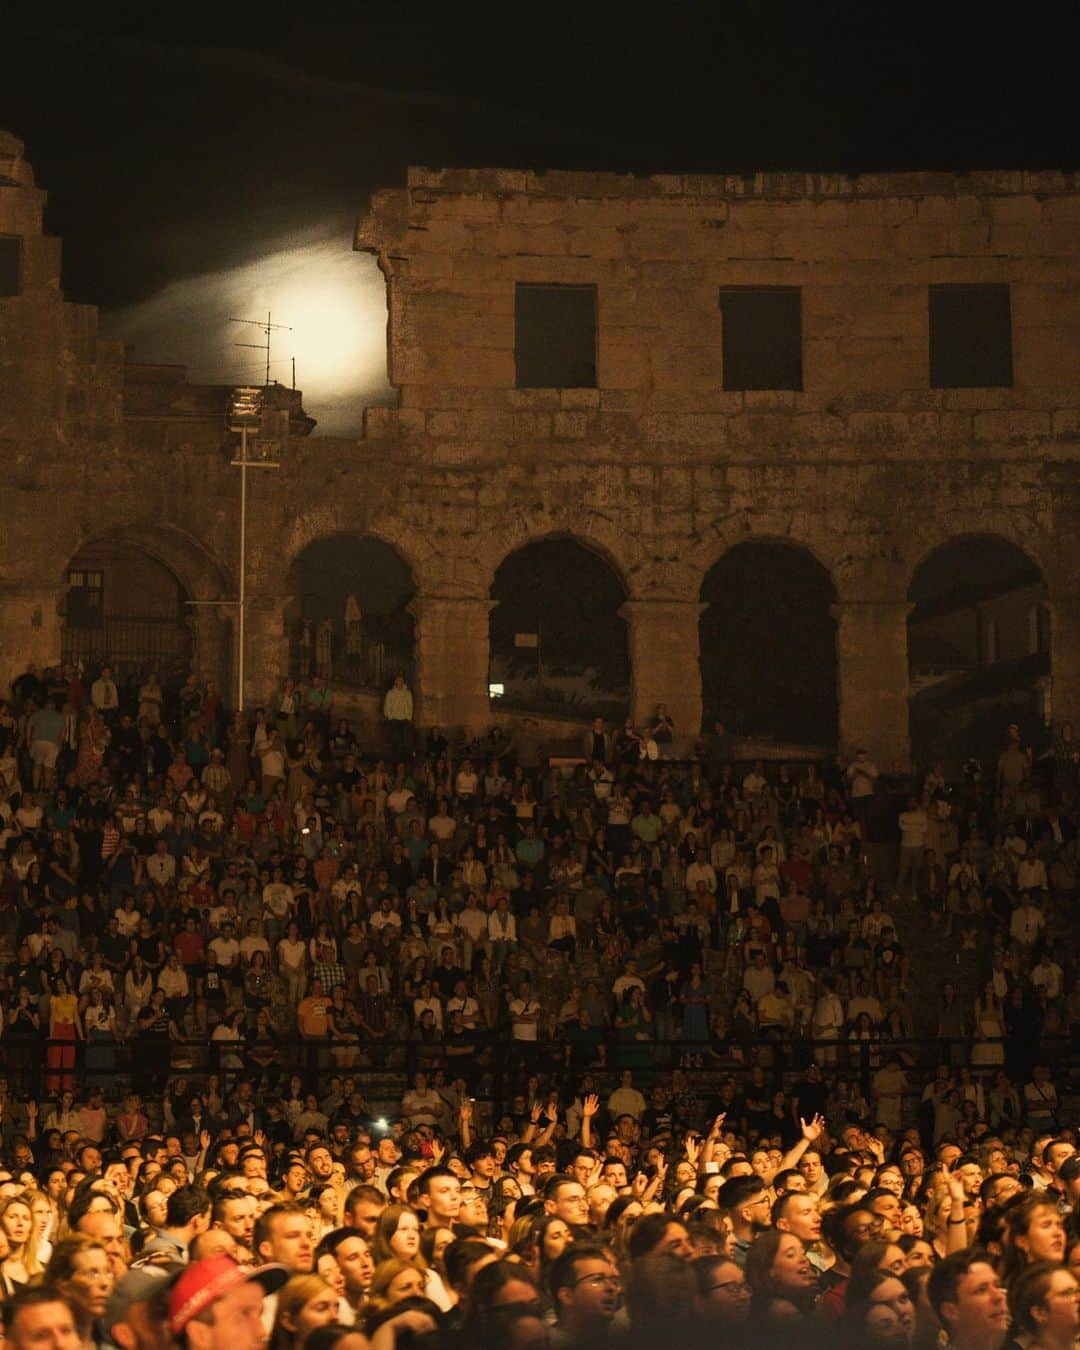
point(124, 607)
point(569, 596)
point(768, 644)
point(978, 649)
point(335, 580)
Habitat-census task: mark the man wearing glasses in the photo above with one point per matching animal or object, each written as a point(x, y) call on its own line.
point(746, 1203)
point(586, 1290)
point(723, 1297)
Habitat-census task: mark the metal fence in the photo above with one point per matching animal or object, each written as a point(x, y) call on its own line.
point(497, 1066)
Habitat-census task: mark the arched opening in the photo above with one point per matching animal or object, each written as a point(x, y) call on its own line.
point(349, 621)
point(768, 644)
point(126, 609)
point(558, 642)
point(978, 650)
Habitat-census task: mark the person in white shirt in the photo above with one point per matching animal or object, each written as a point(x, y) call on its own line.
point(524, 1014)
point(1027, 921)
point(473, 924)
point(161, 865)
point(1047, 978)
point(701, 870)
point(292, 964)
point(626, 1100)
point(862, 774)
point(103, 692)
point(914, 827)
point(1031, 874)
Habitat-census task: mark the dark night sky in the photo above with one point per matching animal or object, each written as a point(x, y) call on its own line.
point(171, 151)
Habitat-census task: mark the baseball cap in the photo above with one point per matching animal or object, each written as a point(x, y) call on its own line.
point(204, 1282)
point(137, 1286)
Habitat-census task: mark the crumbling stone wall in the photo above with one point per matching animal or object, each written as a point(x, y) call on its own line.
point(658, 468)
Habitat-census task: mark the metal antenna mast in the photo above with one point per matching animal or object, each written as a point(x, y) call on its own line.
point(267, 329)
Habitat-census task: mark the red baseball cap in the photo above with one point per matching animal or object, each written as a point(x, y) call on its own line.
point(204, 1282)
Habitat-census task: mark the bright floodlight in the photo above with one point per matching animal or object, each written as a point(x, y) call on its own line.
point(245, 408)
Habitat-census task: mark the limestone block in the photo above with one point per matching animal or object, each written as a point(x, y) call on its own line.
point(1011, 426)
point(570, 425)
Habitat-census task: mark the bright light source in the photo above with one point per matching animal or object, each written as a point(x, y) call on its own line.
point(496, 690)
point(333, 299)
point(245, 408)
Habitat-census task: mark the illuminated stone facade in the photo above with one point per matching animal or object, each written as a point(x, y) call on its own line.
point(659, 467)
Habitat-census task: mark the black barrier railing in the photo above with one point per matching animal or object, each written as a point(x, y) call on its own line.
point(497, 1066)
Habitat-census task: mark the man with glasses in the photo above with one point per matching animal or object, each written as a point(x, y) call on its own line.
point(746, 1203)
point(723, 1296)
point(586, 1290)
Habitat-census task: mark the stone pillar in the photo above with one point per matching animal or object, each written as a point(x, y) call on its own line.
point(214, 641)
point(452, 643)
point(30, 624)
point(665, 665)
point(1065, 660)
point(872, 678)
point(266, 660)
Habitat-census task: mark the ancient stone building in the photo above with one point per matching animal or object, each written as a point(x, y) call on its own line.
point(858, 371)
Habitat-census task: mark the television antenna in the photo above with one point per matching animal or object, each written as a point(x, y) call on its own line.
point(267, 328)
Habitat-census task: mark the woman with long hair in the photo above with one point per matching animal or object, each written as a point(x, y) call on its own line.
point(1034, 1231)
point(878, 1310)
point(781, 1279)
point(397, 1237)
point(394, 1281)
point(21, 1265)
point(304, 1303)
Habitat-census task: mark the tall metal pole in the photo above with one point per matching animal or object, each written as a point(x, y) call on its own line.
point(243, 570)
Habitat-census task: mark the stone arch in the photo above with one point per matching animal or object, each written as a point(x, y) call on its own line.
point(348, 617)
point(768, 642)
point(557, 634)
point(128, 596)
point(417, 548)
point(620, 547)
point(976, 661)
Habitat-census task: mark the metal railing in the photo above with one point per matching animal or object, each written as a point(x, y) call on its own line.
point(497, 1066)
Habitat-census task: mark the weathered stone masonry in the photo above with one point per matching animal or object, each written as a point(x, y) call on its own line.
point(658, 468)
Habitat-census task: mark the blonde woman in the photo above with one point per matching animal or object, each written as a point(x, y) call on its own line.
point(46, 1218)
point(303, 1303)
point(394, 1282)
point(17, 1220)
point(397, 1237)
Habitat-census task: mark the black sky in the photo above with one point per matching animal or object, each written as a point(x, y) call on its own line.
point(170, 147)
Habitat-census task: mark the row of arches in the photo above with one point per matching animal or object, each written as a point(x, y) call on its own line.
point(978, 629)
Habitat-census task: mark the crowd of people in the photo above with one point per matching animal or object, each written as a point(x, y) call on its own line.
point(672, 1063)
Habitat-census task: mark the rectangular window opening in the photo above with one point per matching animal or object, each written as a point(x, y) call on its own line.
point(555, 336)
point(970, 337)
point(762, 337)
point(10, 264)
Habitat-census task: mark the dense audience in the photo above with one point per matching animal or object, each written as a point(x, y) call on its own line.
point(468, 1048)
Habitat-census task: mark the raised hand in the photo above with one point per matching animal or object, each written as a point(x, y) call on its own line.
point(693, 1150)
point(812, 1131)
point(717, 1125)
point(204, 1139)
point(590, 1105)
